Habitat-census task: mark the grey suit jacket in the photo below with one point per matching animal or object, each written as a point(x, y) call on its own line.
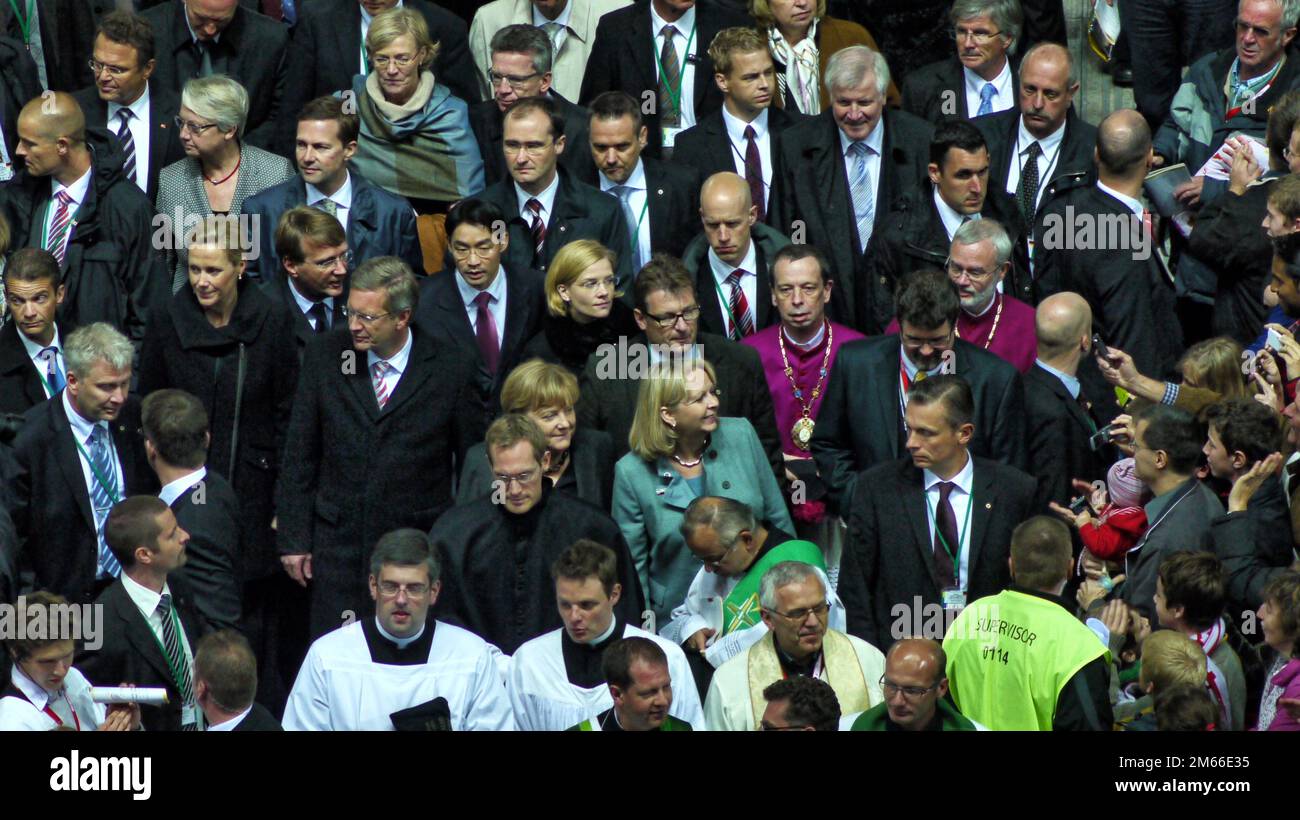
point(1181, 525)
point(181, 197)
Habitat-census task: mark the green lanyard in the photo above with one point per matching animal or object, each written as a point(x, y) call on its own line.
point(103, 482)
point(674, 94)
point(24, 20)
point(45, 223)
point(177, 678)
point(961, 536)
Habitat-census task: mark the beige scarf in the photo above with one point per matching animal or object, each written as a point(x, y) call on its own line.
point(841, 670)
point(396, 112)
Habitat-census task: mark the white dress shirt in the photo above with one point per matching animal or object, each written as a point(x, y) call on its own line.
point(639, 203)
point(546, 198)
point(1134, 205)
point(34, 353)
point(342, 199)
point(146, 600)
point(540, 20)
point(77, 192)
point(229, 725)
point(140, 133)
point(366, 17)
point(1004, 90)
point(748, 284)
point(71, 704)
point(396, 364)
point(1051, 152)
point(305, 304)
point(739, 145)
point(175, 489)
point(81, 430)
point(950, 218)
point(685, 26)
point(960, 499)
point(876, 142)
point(497, 307)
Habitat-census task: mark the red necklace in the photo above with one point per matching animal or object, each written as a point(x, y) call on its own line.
point(227, 176)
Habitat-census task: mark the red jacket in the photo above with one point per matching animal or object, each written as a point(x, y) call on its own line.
point(1115, 533)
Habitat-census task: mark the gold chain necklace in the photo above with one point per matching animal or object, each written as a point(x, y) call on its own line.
point(802, 432)
point(997, 317)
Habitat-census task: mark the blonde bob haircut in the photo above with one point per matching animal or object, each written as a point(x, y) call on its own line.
point(651, 438)
point(569, 264)
point(535, 385)
point(221, 232)
point(389, 25)
point(219, 99)
point(761, 11)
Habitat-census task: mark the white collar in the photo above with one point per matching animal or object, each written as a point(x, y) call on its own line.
point(562, 18)
point(229, 725)
point(684, 24)
point(721, 270)
point(31, 690)
point(635, 180)
point(604, 636)
point(76, 190)
point(175, 489)
point(33, 349)
point(546, 197)
point(963, 480)
point(81, 427)
point(1071, 382)
point(1002, 82)
point(736, 126)
point(811, 343)
point(875, 140)
point(342, 197)
point(950, 218)
point(139, 109)
point(399, 359)
point(1048, 144)
point(469, 294)
point(305, 304)
point(145, 599)
point(402, 643)
point(1132, 204)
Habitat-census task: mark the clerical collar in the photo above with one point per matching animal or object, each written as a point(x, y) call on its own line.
point(814, 342)
point(986, 309)
point(385, 649)
point(582, 661)
point(402, 643)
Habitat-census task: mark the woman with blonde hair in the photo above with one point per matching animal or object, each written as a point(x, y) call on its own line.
point(1212, 370)
point(582, 460)
point(681, 450)
point(583, 310)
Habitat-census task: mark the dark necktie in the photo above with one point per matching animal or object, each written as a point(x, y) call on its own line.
point(205, 57)
point(1027, 191)
point(176, 660)
point(127, 142)
point(945, 530)
point(320, 317)
point(754, 172)
point(538, 227)
point(670, 82)
point(485, 331)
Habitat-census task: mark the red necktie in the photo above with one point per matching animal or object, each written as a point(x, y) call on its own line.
point(485, 332)
point(742, 323)
point(945, 530)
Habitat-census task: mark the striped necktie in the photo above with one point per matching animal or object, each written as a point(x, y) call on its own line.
point(864, 208)
point(103, 495)
point(176, 660)
point(743, 323)
point(378, 371)
point(127, 142)
point(57, 238)
point(538, 228)
point(670, 81)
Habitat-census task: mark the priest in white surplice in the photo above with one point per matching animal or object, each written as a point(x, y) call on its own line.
point(556, 680)
point(359, 675)
point(794, 605)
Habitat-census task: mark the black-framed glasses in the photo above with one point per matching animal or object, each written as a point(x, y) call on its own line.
point(912, 692)
point(690, 315)
point(390, 589)
point(514, 80)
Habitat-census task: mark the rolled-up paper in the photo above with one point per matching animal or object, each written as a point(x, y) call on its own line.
point(128, 694)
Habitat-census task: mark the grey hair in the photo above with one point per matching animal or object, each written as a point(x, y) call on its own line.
point(725, 516)
point(391, 275)
point(1072, 71)
point(1005, 14)
point(980, 230)
point(848, 67)
point(783, 575)
point(523, 38)
point(220, 99)
point(1290, 10)
point(98, 342)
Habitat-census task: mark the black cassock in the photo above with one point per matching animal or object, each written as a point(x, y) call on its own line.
point(496, 573)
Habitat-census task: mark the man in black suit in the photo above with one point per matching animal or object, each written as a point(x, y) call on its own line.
point(668, 314)
point(659, 199)
point(485, 312)
point(1092, 240)
point(1059, 412)
point(932, 528)
point(312, 249)
point(382, 420)
point(225, 683)
point(31, 357)
point(840, 170)
point(176, 438)
point(377, 222)
point(328, 50)
point(78, 454)
point(921, 222)
point(521, 67)
point(18, 84)
point(744, 135)
point(731, 260)
point(862, 420)
point(544, 207)
point(124, 97)
point(661, 45)
point(981, 77)
point(197, 38)
point(1036, 150)
point(149, 630)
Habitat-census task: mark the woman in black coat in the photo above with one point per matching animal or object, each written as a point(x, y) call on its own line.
point(583, 310)
point(231, 346)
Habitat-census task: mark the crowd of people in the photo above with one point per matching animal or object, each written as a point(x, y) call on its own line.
point(664, 365)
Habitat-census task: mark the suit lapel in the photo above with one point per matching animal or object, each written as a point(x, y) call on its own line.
point(140, 635)
point(516, 318)
point(14, 359)
point(763, 306)
point(643, 48)
point(419, 369)
point(720, 142)
point(1059, 389)
point(984, 493)
point(361, 216)
point(916, 509)
point(363, 389)
point(658, 201)
point(888, 400)
point(67, 454)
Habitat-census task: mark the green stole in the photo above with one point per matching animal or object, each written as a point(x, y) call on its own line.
point(740, 609)
point(950, 720)
point(670, 724)
point(841, 670)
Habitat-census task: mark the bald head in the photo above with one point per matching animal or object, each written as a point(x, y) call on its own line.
point(1061, 322)
point(1123, 143)
point(728, 213)
point(52, 138)
point(55, 114)
point(916, 665)
point(918, 654)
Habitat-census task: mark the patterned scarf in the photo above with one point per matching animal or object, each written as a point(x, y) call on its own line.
point(798, 68)
point(1215, 681)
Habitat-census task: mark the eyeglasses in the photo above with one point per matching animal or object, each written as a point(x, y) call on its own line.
point(940, 341)
point(592, 284)
point(113, 70)
point(974, 274)
point(889, 688)
point(801, 615)
point(532, 149)
point(716, 562)
point(463, 251)
point(333, 261)
point(401, 61)
point(516, 82)
point(390, 589)
point(193, 127)
point(689, 316)
point(363, 318)
point(523, 479)
point(980, 36)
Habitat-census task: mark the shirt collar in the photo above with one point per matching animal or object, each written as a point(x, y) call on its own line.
point(76, 190)
point(721, 270)
point(399, 359)
point(139, 108)
point(176, 489)
point(305, 304)
point(636, 180)
point(562, 18)
point(604, 636)
point(684, 24)
point(31, 690)
point(1132, 204)
point(875, 140)
point(950, 218)
point(366, 16)
point(909, 366)
point(963, 480)
point(401, 643)
point(546, 197)
point(33, 349)
point(145, 599)
point(1002, 82)
point(468, 294)
point(229, 725)
point(342, 197)
point(1071, 383)
point(1048, 144)
point(81, 428)
point(736, 126)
